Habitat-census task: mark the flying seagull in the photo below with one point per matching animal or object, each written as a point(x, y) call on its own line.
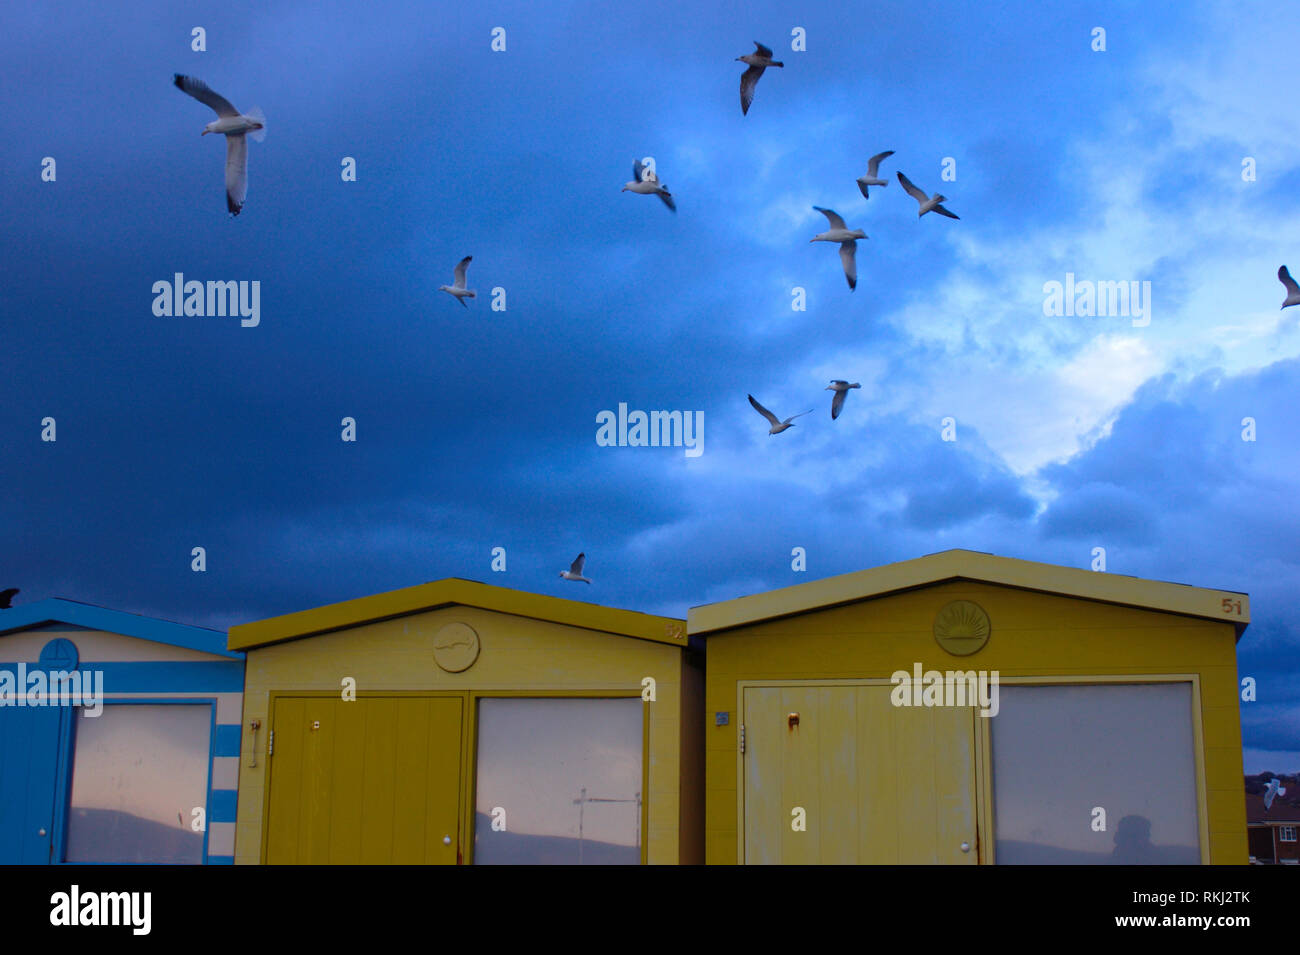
point(839, 232)
point(235, 126)
point(841, 389)
point(777, 426)
point(758, 61)
point(872, 178)
point(928, 203)
point(1292, 290)
point(646, 183)
point(575, 570)
point(457, 288)
point(6, 596)
point(1275, 789)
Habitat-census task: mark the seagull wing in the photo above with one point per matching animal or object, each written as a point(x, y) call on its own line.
point(236, 172)
point(748, 80)
point(6, 596)
point(911, 190)
point(873, 164)
point(763, 50)
point(638, 169)
point(850, 263)
point(667, 197)
point(201, 92)
point(1284, 276)
point(944, 212)
point(576, 566)
point(459, 272)
point(837, 404)
point(799, 415)
point(863, 186)
point(763, 411)
point(836, 221)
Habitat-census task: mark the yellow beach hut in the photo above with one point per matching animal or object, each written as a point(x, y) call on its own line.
point(966, 708)
point(458, 722)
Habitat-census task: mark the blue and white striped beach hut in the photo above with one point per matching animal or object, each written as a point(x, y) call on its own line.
point(119, 737)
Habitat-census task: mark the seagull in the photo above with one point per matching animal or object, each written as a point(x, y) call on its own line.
point(758, 61)
point(457, 288)
point(6, 596)
point(777, 426)
point(928, 203)
point(840, 233)
point(646, 183)
point(235, 125)
point(1275, 788)
point(1292, 290)
point(841, 389)
point(872, 177)
point(575, 570)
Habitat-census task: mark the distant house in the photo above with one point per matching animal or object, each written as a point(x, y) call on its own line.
point(119, 738)
point(1273, 832)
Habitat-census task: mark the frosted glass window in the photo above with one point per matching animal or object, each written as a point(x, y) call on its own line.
point(1060, 751)
point(564, 777)
point(138, 774)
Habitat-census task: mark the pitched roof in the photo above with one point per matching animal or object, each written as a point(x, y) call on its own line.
point(455, 591)
point(1283, 810)
point(977, 566)
point(55, 610)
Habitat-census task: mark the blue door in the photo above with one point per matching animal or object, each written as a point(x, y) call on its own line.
point(29, 772)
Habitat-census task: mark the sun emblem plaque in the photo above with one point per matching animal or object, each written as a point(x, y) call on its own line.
point(455, 647)
point(962, 628)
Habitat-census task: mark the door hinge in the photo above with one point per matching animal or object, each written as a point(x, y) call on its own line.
point(270, 743)
point(742, 738)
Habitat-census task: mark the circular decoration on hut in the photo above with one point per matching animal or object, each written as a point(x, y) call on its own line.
point(962, 628)
point(455, 647)
point(59, 654)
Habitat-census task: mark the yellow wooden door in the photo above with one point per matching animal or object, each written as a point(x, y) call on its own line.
point(875, 783)
point(372, 781)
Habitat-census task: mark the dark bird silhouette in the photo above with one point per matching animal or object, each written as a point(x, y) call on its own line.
point(6, 596)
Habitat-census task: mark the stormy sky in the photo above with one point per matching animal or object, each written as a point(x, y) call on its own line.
point(1168, 158)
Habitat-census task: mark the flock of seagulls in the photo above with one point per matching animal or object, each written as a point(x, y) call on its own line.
point(237, 127)
point(838, 385)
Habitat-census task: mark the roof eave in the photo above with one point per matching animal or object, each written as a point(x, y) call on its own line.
point(455, 591)
point(978, 567)
point(56, 610)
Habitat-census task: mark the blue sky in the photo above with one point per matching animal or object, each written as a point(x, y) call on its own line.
point(476, 428)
